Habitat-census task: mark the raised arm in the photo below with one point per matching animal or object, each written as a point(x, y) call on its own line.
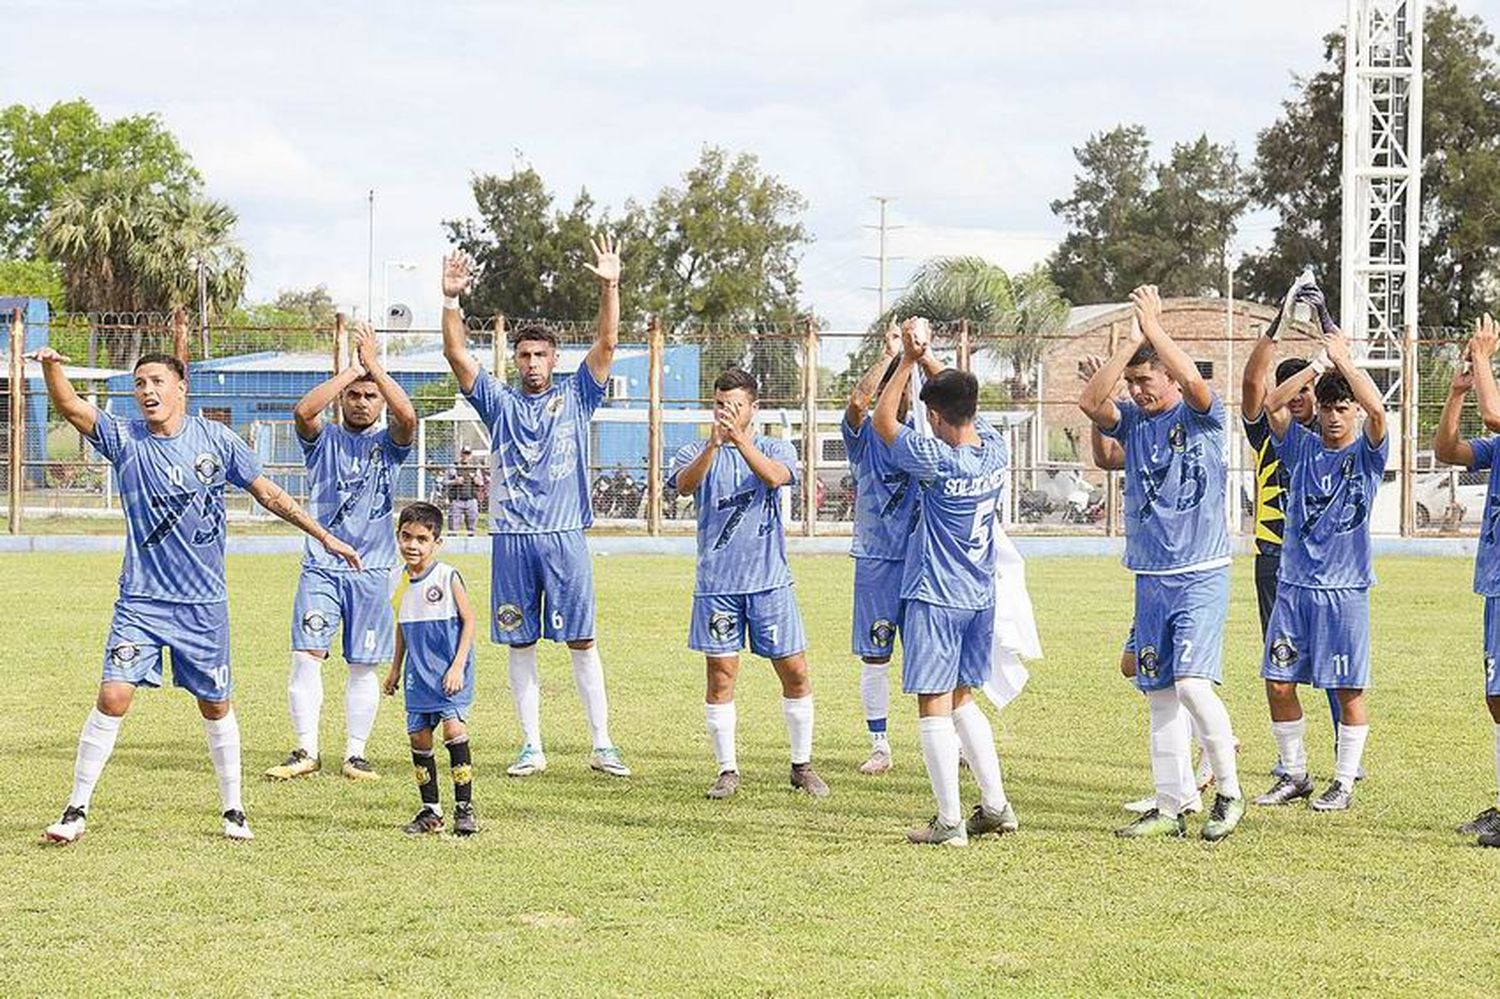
point(770, 471)
point(690, 476)
point(1448, 445)
point(275, 499)
point(74, 408)
point(1277, 414)
point(458, 276)
point(1365, 392)
point(863, 396)
point(1108, 453)
point(307, 415)
point(1256, 380)
point(606, 267)
point(916, 336)
point(398, 408)
point(1481, 351)
point(1179, 365)
point(1098, 397)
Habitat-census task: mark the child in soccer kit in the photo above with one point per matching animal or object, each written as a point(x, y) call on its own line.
point(435, 653)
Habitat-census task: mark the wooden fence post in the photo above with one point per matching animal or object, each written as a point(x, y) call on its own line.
point(338, 357)
point(497, 349)
point(656, 349)
point(1408, 459)
point(810, 428)
point(17, 417)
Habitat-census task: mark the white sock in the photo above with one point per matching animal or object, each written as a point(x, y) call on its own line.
point(361, 701)
point(526, 691)
point(1351, 748)
point(1171, 752)
point(978, 741)
point(1497, 764)
point(721, 720)
point(1212, 718)
point(1291, 745)
point(97, 741)
point(588, 676)
point(305, 695)
point(875, 695)
point(224, 749)
point(940, 753)
point(798, 712)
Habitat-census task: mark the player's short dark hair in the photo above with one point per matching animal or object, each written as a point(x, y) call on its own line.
point(737, 378)
point(1290, 367)
point(954, 394)
point(159, 358)
point(1144, 354)
point(425, 514)
point(532, 331)
point(1334, 388)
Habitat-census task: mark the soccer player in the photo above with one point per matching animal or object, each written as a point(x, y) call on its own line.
point(885, 516)
point(1177, 544)
point(435, 649)
point(349, 471)
point(948, 586)
point(172, 469)
point(1479, 453)
point(1319, 631)
point(743, 586)
point(541, 578)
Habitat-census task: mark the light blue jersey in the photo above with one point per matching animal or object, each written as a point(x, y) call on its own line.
point(1326, 544)
point(1175, 475)
point(885, 498)
point(950, 560)
point(1487, 555)
point(172, 489)
point(349, 492)
point(427, 614)
point(539, 452)
point(741, 542)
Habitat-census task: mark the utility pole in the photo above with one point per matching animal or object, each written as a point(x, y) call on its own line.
point(370, 266)
point(883, 229)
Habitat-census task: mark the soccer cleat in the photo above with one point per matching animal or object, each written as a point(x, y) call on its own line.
point(530, 761)
point(607, 761)
point(1153, 824)
point(236, 826)
point(934, 833)
point(1337, 798)
point(68, 828)
point(1491, 838)
point(465, 823)
point(426, 822)
point(1286, 790)
point(985, 820)
point(805, 778)
point(297, 764)
point(358, 768)
point(879, 761)
point(725, 786)
point(1223, 817)
point(1486, 821)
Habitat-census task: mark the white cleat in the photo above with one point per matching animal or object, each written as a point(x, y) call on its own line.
point(236, 827)
point(879, 761)
point(66, 829)
point(530, 761)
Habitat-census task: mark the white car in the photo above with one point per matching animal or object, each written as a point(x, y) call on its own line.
point(1450, 497)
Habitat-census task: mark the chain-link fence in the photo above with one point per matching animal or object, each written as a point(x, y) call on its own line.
point(660, 398)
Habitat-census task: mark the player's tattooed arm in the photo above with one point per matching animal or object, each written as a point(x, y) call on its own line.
point(1481, 353)
point(393, 675)
point(863, 396)
point(1360, 383)
point(1448, 445)
point(398, 407)
point(458, 277)
point(1108, 454)
point(307, 415)
point(1182, 368)
point(1098, 397)
point(74, 408)
point(606, 267)
point(453, 679)
point(275, 499)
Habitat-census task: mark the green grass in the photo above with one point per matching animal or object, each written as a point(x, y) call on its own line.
point(584, 885)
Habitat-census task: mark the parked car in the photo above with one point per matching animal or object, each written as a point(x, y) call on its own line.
point(1450, 498)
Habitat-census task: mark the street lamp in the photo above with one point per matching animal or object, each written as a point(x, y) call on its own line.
point(385, 292)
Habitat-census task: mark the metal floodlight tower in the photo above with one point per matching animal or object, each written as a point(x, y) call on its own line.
point(1382, 182)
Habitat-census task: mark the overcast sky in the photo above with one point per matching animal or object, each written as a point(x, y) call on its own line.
point(965, 113)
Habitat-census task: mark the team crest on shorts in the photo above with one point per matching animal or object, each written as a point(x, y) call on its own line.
point(1283, 652)
point(883, 633)
point(316, 623)
point(1177, 437)
point(206, 467)
point(433, 593)
point(124, 654)
point(508, 617)
point(721, 626)
point(1148, 662)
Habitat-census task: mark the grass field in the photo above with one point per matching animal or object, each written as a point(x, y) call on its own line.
point(581, 884)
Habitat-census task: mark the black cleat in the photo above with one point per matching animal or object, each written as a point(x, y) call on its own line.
point(426, 822)
point(1286, 790)
point(1337, 798)
point(1486, 821)
point(465, 823)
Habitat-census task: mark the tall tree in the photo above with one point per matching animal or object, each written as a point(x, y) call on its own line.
point(43, 152)
point(1298, 174)
point(1132, 222)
